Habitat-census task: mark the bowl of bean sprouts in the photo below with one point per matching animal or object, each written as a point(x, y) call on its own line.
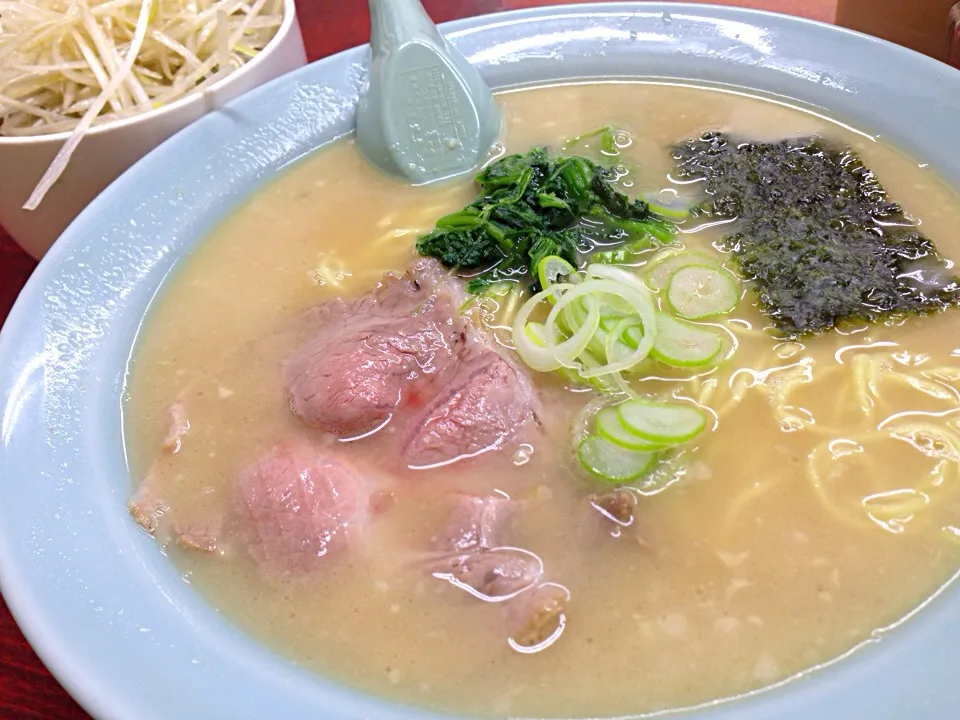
point(88, 87)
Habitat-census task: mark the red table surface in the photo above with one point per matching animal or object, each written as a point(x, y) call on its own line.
point(27, 690)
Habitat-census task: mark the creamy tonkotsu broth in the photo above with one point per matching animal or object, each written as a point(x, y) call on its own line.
point(761, 560)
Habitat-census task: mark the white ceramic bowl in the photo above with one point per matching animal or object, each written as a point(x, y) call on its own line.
point(109, 149)
point(113, 618)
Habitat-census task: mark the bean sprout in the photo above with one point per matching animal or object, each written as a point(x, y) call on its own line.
point(70, 65)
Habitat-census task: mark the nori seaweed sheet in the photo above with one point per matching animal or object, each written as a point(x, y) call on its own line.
point(816, 233)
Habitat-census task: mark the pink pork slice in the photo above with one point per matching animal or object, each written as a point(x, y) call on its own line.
point(405, 350)
point(535, 612)
point(353, 373)
point(476, 522)
point(476, 560)
point(485, 406)
point(300, 505)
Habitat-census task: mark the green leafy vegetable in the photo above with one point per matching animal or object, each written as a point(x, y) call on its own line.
point(628, 252)
point(668, 204)
point(606, 138)
point(817, 233)
point(533, 205)
point(468, 247)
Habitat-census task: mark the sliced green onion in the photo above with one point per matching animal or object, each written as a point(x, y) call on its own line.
point(612, 428)
point(603, 322)
point(683, 345)
point(554, 269)
point(642, 305)
point(698, 291)
point(574, 315)
point(664, 423)
point(612, 463)
point(535, 331)
point(609, 320)
point(589, 361)
point(541, 359)
point(567, 351)
point(617, 274)
point(632, 335)
point(573, 324)
point(617, 345)
point(663, 268)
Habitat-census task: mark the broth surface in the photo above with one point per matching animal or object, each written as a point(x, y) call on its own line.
point(735, 577)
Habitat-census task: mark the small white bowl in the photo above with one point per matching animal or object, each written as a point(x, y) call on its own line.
point(108, 150)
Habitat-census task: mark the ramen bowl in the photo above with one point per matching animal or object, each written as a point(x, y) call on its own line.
point(110, 616)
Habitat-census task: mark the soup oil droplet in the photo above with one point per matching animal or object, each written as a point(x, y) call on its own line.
point(523, 454)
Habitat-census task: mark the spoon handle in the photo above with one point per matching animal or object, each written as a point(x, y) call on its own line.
point(393, 22)
point(426, 113)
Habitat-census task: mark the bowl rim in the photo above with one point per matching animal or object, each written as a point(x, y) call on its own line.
point(287, 24)
point(82, 682)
